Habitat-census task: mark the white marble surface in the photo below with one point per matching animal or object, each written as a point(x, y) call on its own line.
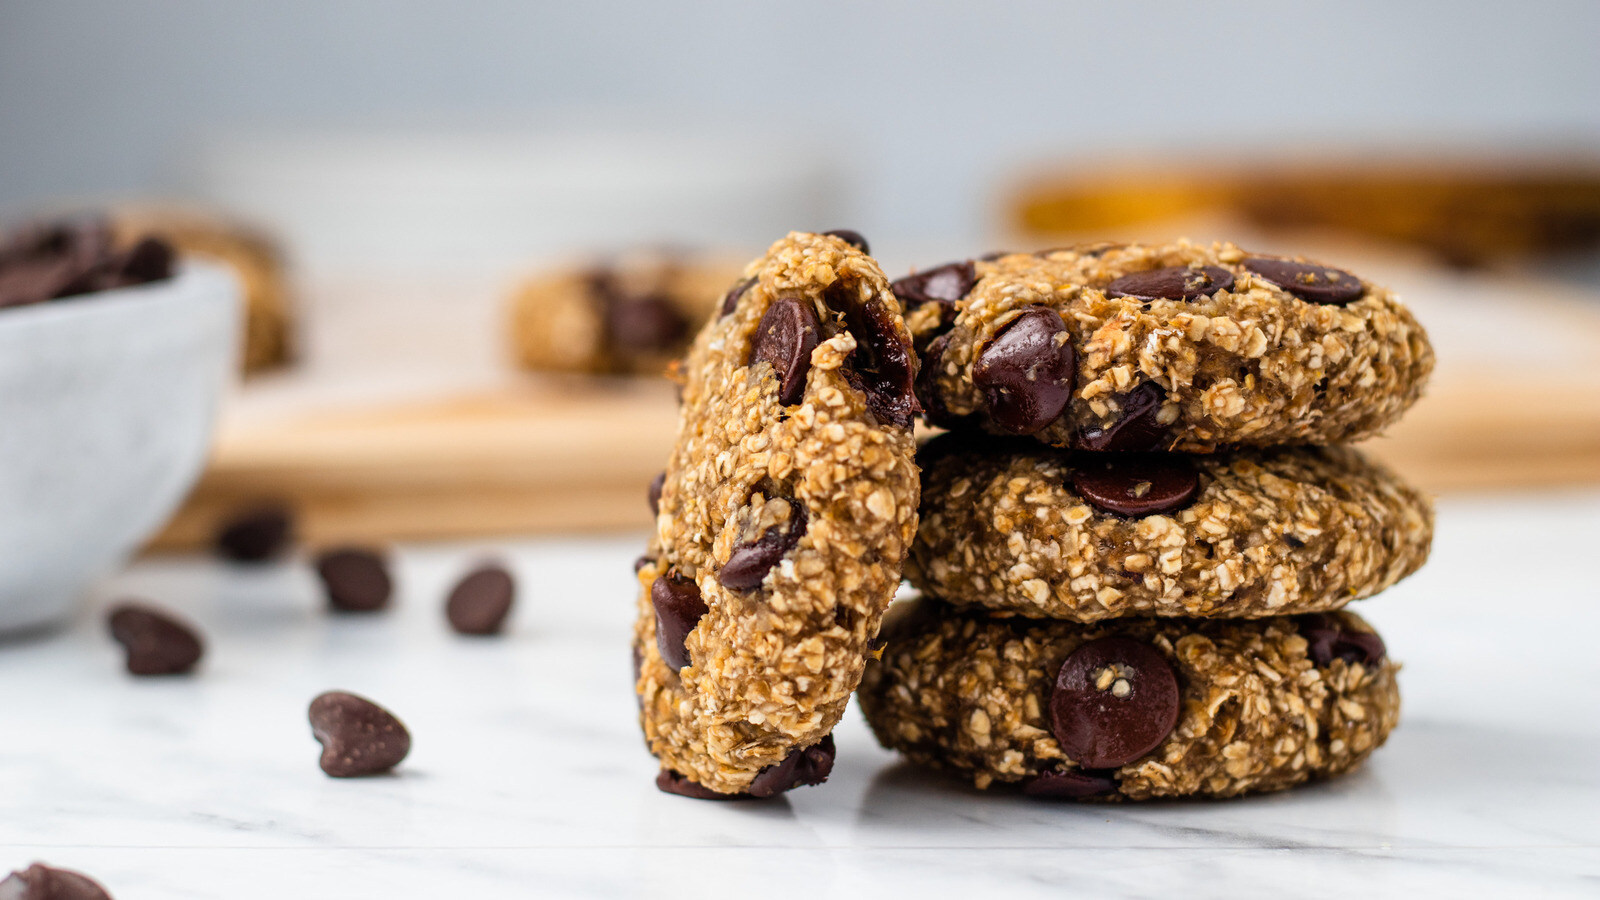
point(528, 777)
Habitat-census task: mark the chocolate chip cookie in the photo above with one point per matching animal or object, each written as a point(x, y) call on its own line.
point(630, 316)
point(1131, 709)
point(782, 522)
point(1180, 346)
point(1014, 525)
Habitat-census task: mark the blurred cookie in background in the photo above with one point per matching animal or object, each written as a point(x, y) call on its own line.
point(253, 256)
point(630, 315)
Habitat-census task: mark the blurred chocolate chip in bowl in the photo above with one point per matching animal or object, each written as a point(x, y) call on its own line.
point(54, 260)
point(256, 534)
point(629, 315)
point(356, 579)
point(42, 882)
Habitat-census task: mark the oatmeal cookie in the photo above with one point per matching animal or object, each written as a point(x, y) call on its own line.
point(782, 522)
point(1014, 525)
point(630, 316)
point(1131, 709)
point(1174, 347)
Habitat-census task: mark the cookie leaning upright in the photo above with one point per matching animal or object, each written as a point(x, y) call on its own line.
point(786, 511)
point(1178, 346)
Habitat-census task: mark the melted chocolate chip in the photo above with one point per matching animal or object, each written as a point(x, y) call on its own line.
point(1115, 700)
point(881, 366)
point(42, 882)
point(784, 339)
point(156, 642)
point(1172, 283)
point(678, 609)
point(947, 284)
point(358, 737)
point(749, 563)
point(1136, 429)
point(481, 601)
point(654, 494)
point(1308, 281)
point(255, 535)
point(356, 579)
point(1327, 639)
point(1071, 785)
point(1027, 371)
point(670, 782)
point(853, 238)
point(730, 300)
point(806, 766)
point(647, 324)
point(1136, 484)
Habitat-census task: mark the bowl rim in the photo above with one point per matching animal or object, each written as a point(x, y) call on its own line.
point(190, 273)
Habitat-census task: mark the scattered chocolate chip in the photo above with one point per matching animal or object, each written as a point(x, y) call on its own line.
point(1027, 371)
point(358, 737)
point(748, 563)
point(947, 284)
point(1115, 700)
point(42, 882)
point(356, 579)
point(1136, 428)
point(804, 766)
point(647, 324)
point(156, 642)
point(654, 495)
point(730, 300)
point(670, 782)
point(785, 337)
point(1327, 639)
point(1071, 785)
point(481, 601)
point(881, 366)
point(927, 387)
point(853, 238)
point(1308, 281)
point(1172, 283)
point(1136, 484)
point(678, 609)
point(255, 535)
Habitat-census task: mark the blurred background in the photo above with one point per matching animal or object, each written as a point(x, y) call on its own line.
point(423, 189)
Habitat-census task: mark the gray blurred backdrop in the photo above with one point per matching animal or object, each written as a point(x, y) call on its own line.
point(928, 106)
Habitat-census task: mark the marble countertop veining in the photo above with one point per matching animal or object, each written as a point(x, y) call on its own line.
point(528, 776)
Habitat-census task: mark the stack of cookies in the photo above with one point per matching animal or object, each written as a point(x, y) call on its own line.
point(1139, 531)
point(1133, 542)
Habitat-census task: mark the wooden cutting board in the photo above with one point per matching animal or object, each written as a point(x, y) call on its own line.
point(1515, 402)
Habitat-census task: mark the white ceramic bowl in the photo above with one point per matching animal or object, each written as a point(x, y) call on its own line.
point(107, 404)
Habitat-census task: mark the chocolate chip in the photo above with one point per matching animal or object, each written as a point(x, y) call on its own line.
point(853, 238)
point(151, 259)
point(678, 609)
point(1327, 639)
point(881, 366)
point(784, 339)
point(1027, 371)
point(356, 579)
point(480, 602)
point(156, 642)
point(947, 284)
point(749, 562)
point(1172, 283)
point(927, 386)
point(647, 324)
point(1136, 428)
point(1308, 281)
point(805, 766)
point(42, 882)
point(1071, 785)
point(255, 535)
point(1115, 700)
point(1136, 484)
point(730, 300)
point(641, 562)
point(654, 495)
point(670, 782)
point(358, 737)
